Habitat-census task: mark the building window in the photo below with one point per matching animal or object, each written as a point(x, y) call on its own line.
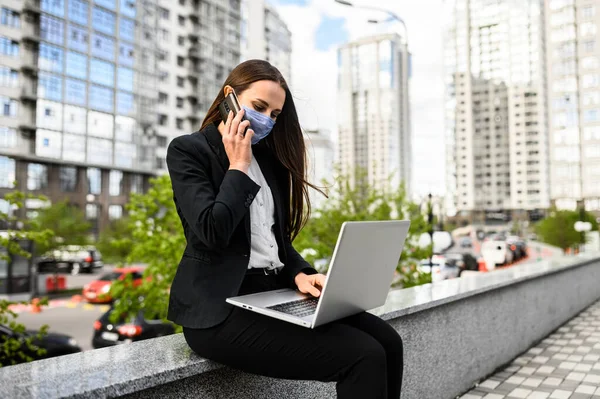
point(110, 4)
point(161, 141)
point(91, 211)
point(180, 81)
point(78, 11)
point(9, 106)
point(76, 92)
point(103, 72)
point(588, 11)
point(115, 182)
point(100, 151)
point(68, 178)
point(8, 77)
point(127, 29)
point(50, 57)
point(182, 2)
point(125, 104)
point(8, 137)
point(78, 38)
point(94, 181)
point(179, 123)
point(37, 176)
point(181, 20)
point(179, 102)
point(76, 65)
point(49, 86)
point(164, 36)
point(52, 29)
point(163, 120)
point(125, 79)
point(163, 55)
point(75, 119)
point(181, 40)
point(589, 45)
point(10, 18)
point(103, 21)
point(126, 54)
point(115, 212)
point(7, 172)
point(56, 7)
point(101, 98)
point(160, 163)
point(180, 61)
point(8, 47)
point(163, 13)
point(163, 98)
point(128, 8)
point(73, 148)
point(103, 46)
point(125, 153)
point(136, 182)
point(163, 76)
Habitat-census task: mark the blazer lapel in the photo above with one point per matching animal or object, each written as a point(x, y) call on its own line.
point(215, 141)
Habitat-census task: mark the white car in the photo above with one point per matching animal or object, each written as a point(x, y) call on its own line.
point(496, 253)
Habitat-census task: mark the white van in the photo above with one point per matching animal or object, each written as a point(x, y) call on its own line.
point(496, 253)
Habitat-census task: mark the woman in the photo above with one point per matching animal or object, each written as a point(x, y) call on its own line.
point(242, 199)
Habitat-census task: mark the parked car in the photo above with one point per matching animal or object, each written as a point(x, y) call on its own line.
point(442, 269)
point(466, 242)
point(464, 261)
point(518, 245)
point(98, 290)
point(496, 253)
point(71, 259)
point(55, 344)
point(136, 328)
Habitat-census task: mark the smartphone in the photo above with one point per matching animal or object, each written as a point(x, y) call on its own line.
point(230, 103)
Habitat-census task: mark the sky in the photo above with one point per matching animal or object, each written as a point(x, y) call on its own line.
point(319, 27)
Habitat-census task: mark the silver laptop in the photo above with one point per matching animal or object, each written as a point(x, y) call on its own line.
point(360, 274)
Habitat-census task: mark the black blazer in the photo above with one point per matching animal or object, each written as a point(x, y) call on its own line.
point(212, 203)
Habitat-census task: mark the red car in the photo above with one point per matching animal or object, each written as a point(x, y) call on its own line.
point(98, 290)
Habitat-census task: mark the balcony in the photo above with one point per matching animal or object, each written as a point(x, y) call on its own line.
point(31, 32)
point(29, 60)
point(27, 119)
point(32, 6)
point(29, 92)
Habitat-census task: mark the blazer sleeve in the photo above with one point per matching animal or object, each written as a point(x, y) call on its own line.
point(295, 263)
point(212, 215)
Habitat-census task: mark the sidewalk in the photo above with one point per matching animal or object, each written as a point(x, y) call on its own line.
point(565, 365)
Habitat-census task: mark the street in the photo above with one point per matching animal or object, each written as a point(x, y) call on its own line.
point(67, 317)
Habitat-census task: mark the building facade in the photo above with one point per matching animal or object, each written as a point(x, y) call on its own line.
point(373, 110)
point(320, 153)
point(574, 102)
point(496, 119)
point(265, 36)
point(93, 91)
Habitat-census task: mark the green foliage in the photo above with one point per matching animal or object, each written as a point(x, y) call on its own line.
point(558, 228)
point(156, 239)
point(115, 242)
point(18, 349)
point(360, 202)
point(68, 223)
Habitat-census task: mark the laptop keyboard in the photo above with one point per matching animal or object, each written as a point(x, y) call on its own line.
point(299, 308)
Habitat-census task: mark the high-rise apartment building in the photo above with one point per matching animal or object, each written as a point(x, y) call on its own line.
point(320, 154)
point(373, 110)
point(265, 36)
point(93, 91)
point(573, 31)
point(496, 129)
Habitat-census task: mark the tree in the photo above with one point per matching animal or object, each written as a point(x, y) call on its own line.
point(558, 228)
point(115, 242)
point(157, 239)
point(360, 202)
point(17, 350)
point(68, 223)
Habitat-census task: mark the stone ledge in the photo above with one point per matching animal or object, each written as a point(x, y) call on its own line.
point(457, 330)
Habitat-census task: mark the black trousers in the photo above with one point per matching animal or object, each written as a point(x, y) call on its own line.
point(362, 353)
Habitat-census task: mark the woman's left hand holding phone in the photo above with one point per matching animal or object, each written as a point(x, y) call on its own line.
point(237, 144)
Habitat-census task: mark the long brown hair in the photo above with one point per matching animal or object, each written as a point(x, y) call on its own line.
point(286, 141)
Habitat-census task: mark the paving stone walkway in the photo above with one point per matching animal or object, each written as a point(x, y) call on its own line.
point(565, 365)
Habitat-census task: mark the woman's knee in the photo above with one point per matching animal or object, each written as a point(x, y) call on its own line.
point(371, 351)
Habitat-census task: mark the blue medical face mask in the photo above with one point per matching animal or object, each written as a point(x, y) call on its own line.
point(261, 124)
